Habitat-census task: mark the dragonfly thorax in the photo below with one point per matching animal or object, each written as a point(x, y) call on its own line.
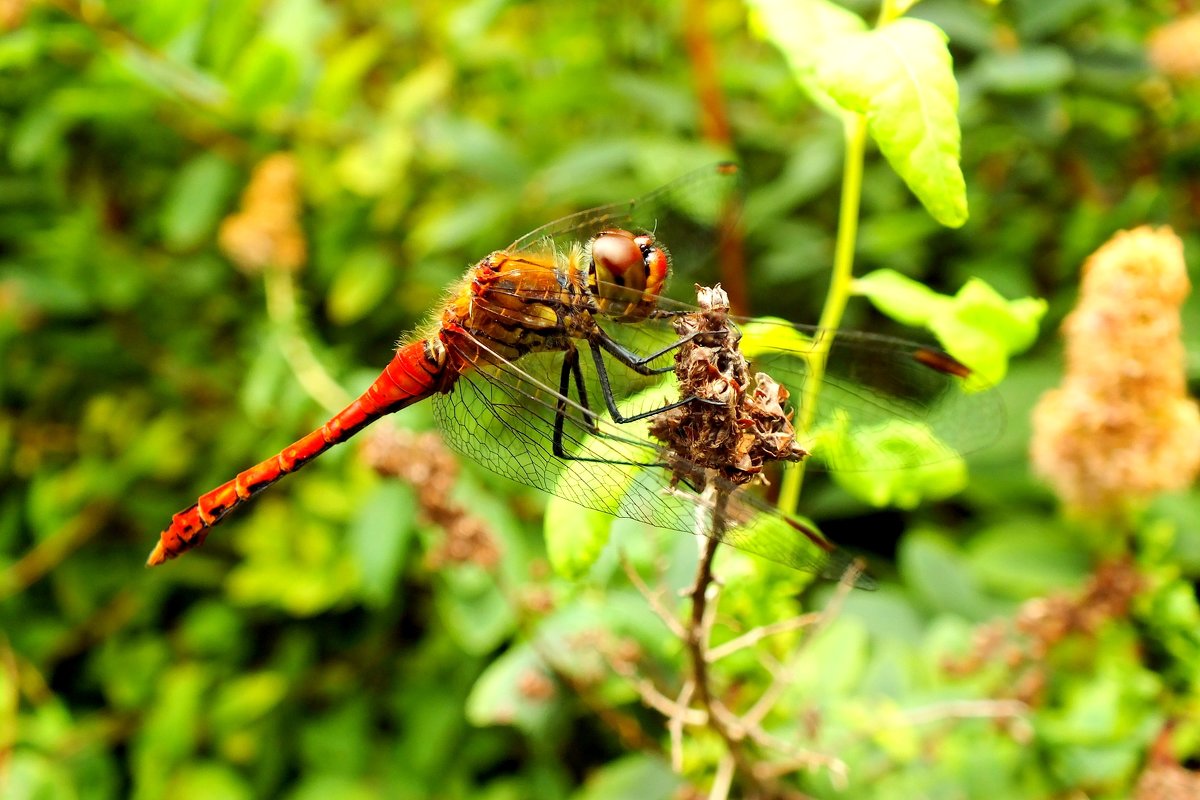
point(626, 273)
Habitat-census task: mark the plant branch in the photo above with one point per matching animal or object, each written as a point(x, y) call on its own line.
point(699, 630)
point(282, 308)
point(654, 599)
point(835, 302)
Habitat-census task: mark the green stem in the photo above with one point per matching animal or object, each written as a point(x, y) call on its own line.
point(835, 301)
point(282, 309)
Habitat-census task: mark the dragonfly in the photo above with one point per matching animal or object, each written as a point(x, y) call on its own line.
point(551, 357)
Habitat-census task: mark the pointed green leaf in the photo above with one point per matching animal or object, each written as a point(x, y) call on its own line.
point(575, 536)
point(900, 297)
point(798, 29)
point(901, 77)
point(902, 463)
point(978, 326)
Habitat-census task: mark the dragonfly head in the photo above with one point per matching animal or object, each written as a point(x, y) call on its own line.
point(627, 272)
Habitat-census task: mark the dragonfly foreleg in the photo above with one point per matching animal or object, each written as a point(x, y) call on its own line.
point(635, 362)
point(572, 372)
point(611, 402)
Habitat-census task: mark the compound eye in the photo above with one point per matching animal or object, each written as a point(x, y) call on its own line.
point(657, 262)
point(618, 258)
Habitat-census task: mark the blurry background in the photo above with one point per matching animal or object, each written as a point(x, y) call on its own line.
point(328, 642)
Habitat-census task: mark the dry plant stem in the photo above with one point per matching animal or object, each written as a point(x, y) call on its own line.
point(675, 727)
point(780, 679)
point(53, 550)
point(967, 709)
point(756, 635)
point(698, 631)
point(723, 780)
point(653, 698)
point(653, 598)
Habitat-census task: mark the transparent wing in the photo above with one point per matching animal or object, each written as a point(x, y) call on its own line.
point(913, 403)
point(511, 419)
point(689, 214)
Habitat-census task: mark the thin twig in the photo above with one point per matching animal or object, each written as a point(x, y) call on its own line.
point(54, 549)
point(967, 709)
point(756, 635)
point(780, 678)
point(719, 718)
point(654, 698)
point(654, 598)
point(675, 725)
point(723, 780)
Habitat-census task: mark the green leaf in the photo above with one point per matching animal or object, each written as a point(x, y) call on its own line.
point(360, 285)
point(900, 297)
point(901, 77)
point(247, 698)
point(1035, 70)
point(937, 572)
point(505, 693)
point(799, 28)
point(195, 201)
point(575, 536)
point(767, 333)
point(633, 777)
point(982, 329)
point(977, 326)
point(206, 780)
point(266, 75)
point(833, 661)
point(1027, 558)
point(379, 539)
point(340, 84)
point(896, 463)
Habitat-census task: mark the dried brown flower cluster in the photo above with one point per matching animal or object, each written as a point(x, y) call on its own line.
point(1044, 622)
point(1174, 48)
point(12, 14)
point(736, 432)
point(266, 232)
point(423, 461)
point(1168, 782)
point(1121, 427)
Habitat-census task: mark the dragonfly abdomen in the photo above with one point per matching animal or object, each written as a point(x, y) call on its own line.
point(417, 371)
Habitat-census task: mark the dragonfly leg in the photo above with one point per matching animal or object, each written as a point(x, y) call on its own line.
point(571, 371)
point(637, 363)
point(610, 401)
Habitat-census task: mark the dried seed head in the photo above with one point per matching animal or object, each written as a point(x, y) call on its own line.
point(423, 461)
point(1174, 48)
point(1121, 426)
point(266, 232)
point(12, 14)
point(737, 424)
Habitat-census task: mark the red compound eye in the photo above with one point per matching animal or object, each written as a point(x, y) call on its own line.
point(621, 259)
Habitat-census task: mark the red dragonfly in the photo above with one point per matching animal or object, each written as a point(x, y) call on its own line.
point(550, 355)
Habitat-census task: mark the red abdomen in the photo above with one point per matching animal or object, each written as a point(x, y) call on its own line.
point(417, 371)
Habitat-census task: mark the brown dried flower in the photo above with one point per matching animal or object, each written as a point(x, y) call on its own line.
point(266, 232)
point(1174, 48)
point(1025, 643)
point(738, 427)
point(1121, 426)
point(423, 461)
point(12, 14)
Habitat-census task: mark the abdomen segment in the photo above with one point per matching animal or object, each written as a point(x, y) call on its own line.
point(415, 373)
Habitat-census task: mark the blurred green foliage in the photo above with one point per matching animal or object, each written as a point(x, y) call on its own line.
point(310, 650)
